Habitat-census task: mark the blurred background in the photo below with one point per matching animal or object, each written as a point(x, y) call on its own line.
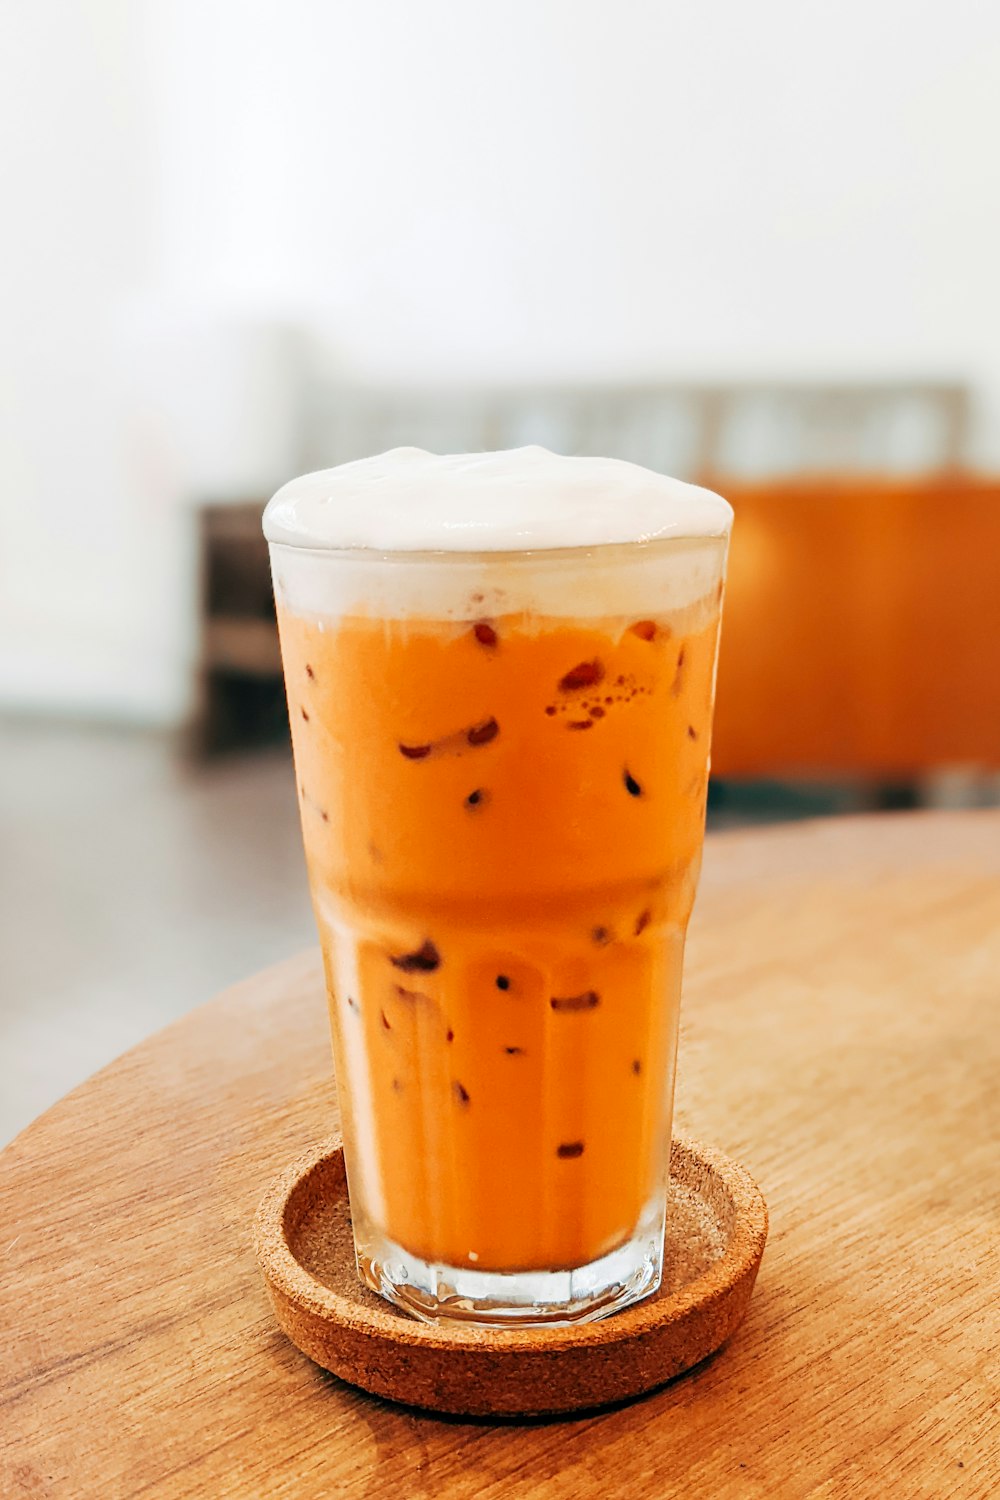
point(752, 245)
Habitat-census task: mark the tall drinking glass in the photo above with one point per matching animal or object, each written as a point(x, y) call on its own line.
point(500, 674)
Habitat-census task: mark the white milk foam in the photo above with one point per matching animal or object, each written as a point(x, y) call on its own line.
point(411, 501)
point(462, 515)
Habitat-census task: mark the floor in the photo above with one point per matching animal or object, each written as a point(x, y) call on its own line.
point(131, 889)
point(134, 886)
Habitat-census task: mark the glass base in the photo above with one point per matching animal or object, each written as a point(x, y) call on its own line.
point(508, 1299)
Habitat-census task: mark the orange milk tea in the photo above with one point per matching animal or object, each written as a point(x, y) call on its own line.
point(502, 766)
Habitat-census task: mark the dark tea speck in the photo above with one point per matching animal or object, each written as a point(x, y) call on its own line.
point(569, 1150)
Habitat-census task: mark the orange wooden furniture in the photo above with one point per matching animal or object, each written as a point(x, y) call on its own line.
point(862, 629)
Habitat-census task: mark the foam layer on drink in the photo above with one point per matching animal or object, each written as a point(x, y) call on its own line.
point(470, 535)
point(525, 498)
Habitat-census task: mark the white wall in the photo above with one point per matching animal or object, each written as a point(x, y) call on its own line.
point(72, 192)
point(542, 187)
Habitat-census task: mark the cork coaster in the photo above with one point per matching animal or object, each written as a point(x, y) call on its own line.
point(716, 1228)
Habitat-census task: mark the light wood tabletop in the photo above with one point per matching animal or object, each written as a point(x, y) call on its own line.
point(840, 1037)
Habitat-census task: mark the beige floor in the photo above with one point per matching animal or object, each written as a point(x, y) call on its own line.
point(131, 889)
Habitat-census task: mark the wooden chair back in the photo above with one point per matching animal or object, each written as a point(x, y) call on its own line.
point(861, 630)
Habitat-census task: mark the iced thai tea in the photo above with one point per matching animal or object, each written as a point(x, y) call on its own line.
point(502, 763)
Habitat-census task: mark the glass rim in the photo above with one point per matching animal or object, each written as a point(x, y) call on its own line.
point(644, 546)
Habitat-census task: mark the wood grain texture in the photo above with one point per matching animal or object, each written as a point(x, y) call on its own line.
point(840, 1037)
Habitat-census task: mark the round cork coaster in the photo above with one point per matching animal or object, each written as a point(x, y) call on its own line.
point(716, 1228)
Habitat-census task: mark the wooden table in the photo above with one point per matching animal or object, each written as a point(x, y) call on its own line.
point(841, 1037)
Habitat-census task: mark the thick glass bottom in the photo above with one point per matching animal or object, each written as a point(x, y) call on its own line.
point(507, 1299)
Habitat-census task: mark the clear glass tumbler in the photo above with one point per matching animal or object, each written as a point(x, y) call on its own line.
point(502, 763)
